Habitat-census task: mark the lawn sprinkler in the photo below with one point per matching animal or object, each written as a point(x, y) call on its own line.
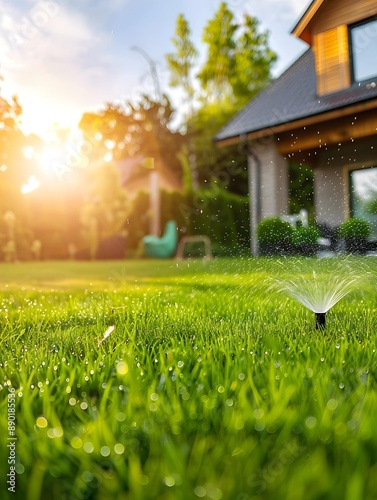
point(318, 293)
point(320, 321)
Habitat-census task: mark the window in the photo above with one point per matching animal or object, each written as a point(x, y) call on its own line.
point(363, 196)
point(363, 39)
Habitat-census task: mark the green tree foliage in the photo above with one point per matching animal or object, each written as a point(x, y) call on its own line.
point(239, 61)
point(237, 65)
point(220, 37)
point(182, 62)
point(135, 129)
point(253, 62)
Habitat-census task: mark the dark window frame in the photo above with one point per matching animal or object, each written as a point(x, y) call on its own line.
point(351, 27)
point(351, 184)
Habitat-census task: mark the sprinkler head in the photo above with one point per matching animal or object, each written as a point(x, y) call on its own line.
point(320, 321)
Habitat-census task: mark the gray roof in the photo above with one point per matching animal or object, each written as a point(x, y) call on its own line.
point(290, 97)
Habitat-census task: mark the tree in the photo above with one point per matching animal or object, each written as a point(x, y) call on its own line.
point(134, 129)
point(252, 63)
point(219, 35)
point(237, 66)
point(239, 61)
point(183, 61)
point(181, 65)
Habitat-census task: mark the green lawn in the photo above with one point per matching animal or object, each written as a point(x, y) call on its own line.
point(212, 384)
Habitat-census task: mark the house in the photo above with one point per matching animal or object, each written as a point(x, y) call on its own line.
point(322, 112)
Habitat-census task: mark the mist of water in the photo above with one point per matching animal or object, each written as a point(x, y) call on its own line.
point(318, 293)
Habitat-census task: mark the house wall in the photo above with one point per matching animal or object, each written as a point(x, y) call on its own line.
point(268, 185)
point(329, 35)
point(331, 178)
point(333, 14)
point(329, 194)
point(274, 181)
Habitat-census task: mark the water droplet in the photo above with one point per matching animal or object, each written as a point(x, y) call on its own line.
point(169, 481)
point(332, 404)
point(200, 491)
point(88, 447)
point(76, 443)
point(122, 368)
point(105, 451)
point(41, 422)
point(119, 449)
point(258, 413)
point(311, 422)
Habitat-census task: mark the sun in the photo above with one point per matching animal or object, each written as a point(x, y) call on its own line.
point(51, 160)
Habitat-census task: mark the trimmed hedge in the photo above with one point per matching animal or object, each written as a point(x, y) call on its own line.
point(305, 240)
point(355, 232)
point(275, 236)
point(278, 237)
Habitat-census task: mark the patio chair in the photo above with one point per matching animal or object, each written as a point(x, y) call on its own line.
point(163, 247)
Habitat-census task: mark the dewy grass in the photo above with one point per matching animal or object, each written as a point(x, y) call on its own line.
point(209, 384)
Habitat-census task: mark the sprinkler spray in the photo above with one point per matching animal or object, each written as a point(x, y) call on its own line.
point(320, 321)
point(320, 293)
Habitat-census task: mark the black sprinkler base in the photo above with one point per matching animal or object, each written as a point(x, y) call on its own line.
point(320, 320)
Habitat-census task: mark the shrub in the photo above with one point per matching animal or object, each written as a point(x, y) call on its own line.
point(354, 228)
point(355, 232)
point(274, 236)
point(304, 240)
point(221, 215)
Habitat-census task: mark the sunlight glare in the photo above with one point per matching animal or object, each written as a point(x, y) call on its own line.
point(108, 157)
point(32, 185)
point(28, 152)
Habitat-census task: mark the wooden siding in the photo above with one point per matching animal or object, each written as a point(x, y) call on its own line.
point(332, 60)
point(334, 13)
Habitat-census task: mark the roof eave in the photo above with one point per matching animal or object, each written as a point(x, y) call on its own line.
point(305, 19)
point(300, 122)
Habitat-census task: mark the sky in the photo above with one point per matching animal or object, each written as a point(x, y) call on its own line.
point(66, 57)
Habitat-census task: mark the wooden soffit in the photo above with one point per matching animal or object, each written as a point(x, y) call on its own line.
point(302, 123)
point(329, 133)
